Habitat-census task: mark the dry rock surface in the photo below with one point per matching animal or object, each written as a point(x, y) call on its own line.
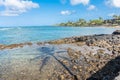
point(94, 57)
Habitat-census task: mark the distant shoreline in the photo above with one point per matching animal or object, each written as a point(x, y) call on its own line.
point(68, 40)
point(115, 21)
point(92, 26)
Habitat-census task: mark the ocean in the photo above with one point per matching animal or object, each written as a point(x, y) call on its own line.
point(26, 62)
point(14, 35)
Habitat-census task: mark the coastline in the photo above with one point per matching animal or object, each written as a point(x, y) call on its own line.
point(59, 40)
point(76, 58)
point(105, 26)
point(67, 40)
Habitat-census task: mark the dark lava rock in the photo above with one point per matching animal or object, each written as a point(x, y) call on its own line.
point(117, 32)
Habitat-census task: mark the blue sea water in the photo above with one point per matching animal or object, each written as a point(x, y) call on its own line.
point(13, 35)
point(25, 61)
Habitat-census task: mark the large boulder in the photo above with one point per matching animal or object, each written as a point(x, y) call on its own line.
point(117, 32)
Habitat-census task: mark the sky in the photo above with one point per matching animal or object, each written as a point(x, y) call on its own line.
point(50, 12)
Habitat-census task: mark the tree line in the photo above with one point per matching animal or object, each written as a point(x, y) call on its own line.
point(95, 22)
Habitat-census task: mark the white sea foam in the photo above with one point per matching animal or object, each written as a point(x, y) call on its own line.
point(4, 29)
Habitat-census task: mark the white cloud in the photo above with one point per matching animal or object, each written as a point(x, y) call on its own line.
point(16, 7)
point(114, 3)
point(67, 12)
point(76, 2)
point(91, 7)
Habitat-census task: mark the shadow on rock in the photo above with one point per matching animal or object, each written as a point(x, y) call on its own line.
point(50, 52)
point(109, 71)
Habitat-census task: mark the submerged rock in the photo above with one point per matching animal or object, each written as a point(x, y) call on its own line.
point(83, 58)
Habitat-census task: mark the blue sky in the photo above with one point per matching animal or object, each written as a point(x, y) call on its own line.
point(48, 12)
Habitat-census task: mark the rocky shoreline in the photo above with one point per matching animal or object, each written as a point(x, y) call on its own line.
point(88, 40)
point(100, 64)
point(95, 57)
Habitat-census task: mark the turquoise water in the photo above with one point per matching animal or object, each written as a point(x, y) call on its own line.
point(12, 35)
point(25, 63)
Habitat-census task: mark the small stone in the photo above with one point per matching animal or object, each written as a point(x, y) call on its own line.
point(62, 77)
point(100, 51)
point(74, 67)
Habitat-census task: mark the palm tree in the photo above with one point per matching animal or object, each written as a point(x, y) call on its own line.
point(115, 17)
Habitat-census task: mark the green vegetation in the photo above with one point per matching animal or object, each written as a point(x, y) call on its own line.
point(96, 22)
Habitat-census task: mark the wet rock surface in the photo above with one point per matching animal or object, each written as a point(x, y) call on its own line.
point(94, 57)
point(117, 32)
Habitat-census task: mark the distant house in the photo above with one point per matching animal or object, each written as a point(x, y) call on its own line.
point(112, 21)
